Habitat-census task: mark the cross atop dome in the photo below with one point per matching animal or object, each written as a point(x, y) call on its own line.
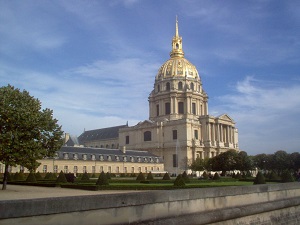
point(176, 44)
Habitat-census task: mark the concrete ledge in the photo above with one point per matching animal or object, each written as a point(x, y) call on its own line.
point(221, 215)
point(130, 208)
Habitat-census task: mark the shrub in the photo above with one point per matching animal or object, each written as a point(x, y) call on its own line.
point(133, 175)
point(108, 175)
point(238, 176)
point(166, 176)
point(48, 176)
point(185, 177)
point(140, 177)
point(179, 181)
point(248, 174)
point(216, 176)
point(31, 178)
point(18, 176)
point(61, 178)
point(233, 175)
point(102, 180)
point(259, 179)
point(149, 176)
point(38, 176)
point(286, 176)
point(70, 177)
point(85, 177)
point(205, 175)
point(93, 175)
point(9, 177)
point(273, 176)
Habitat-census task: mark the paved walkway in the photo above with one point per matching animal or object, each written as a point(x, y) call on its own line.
point(15, 192)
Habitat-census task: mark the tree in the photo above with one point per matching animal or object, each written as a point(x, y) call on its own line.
point(166, 176)
point(225, 161)
point(27, 133)
point(200, 164)
point(150, 176)
point(140, 177)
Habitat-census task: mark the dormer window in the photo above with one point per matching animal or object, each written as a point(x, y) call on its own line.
point(75, 156)
point(84, 157)
point(101, 158)
point(93, 157)
point(66, 156)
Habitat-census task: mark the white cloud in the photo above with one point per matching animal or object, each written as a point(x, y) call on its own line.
point(266, 115)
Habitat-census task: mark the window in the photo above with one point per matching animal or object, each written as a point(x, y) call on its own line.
point(84, 169)
point(55, 169)
point(146, 169)
point(93, 157)
point(192, 86)
point(84, 156)
point(75, 170)
point(112, 146)
point(101, 169)
point(157, 110)
point(127, 139)
point(45, 169)
point(117, 169)
point(180, 85)
point(194, 108)
point(109, 158)
point(174, 134)
point(75, 156)
point(196, 134)
point(93, 169)
point(139, 169)
point(167, 108)
point(107, 146)
point(66, 156)
point(117, 158)
point(175, 159)
point(168, 86)
point(158, 88)
point(101, 158)
point(109, 169)
point(147, 136)
point(132, 169)
point(180, 108)
point(125, 169)
point(131, 159)
point(124, 159)
point(65, 169)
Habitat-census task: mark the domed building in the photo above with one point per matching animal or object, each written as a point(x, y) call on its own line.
point(179, 128)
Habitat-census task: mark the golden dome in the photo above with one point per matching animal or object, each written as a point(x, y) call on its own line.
point(177, 65)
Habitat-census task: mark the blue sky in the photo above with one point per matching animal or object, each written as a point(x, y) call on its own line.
point(94, 62)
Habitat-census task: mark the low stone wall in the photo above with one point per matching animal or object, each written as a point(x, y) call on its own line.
point(263, 204)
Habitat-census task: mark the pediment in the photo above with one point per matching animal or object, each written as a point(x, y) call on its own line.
point(145, 123)
point(225, 117)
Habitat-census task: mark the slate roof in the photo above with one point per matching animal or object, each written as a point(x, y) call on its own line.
point(100, 134)
point(68, 152)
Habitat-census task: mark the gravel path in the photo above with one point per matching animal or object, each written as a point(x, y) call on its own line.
point(15, 192)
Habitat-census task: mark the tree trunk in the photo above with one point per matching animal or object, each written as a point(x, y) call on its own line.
point(5, 177)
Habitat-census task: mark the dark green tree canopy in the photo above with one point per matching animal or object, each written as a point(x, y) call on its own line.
point(27, 132)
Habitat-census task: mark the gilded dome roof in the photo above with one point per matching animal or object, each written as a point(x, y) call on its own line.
point(177, 65)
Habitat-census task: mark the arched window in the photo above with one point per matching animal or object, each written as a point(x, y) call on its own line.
point(158, 88)
point(147, 136)
point(168, 87)
point(192, 86)
point(180, 108)
point(180, 85)
point(167, 108)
